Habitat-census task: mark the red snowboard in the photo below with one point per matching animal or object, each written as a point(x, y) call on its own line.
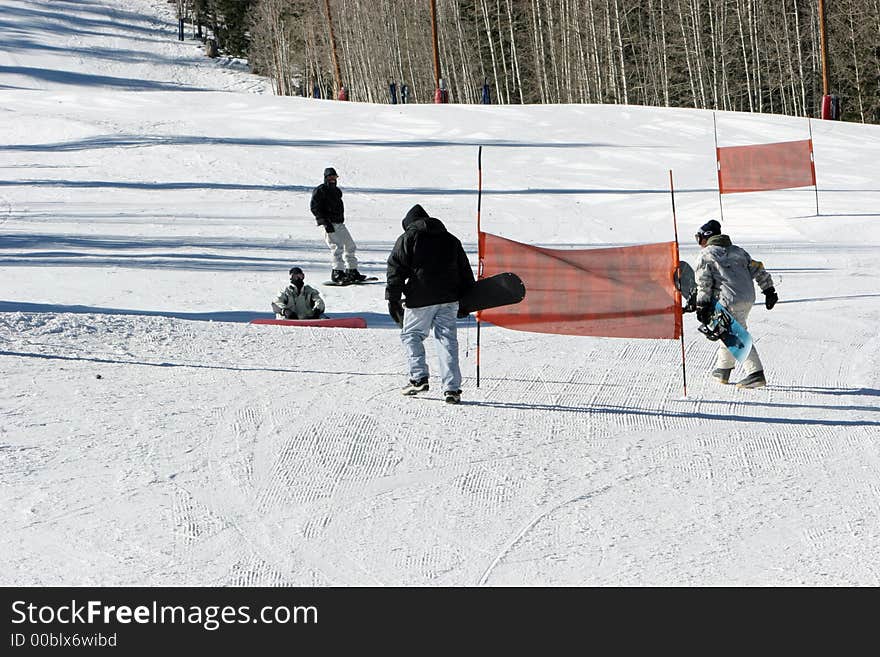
point(341, 322)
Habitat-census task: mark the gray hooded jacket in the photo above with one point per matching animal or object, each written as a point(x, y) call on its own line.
point(725, 273)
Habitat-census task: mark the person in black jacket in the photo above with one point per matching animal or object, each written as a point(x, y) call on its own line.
point(429, 268)
point(329, 212)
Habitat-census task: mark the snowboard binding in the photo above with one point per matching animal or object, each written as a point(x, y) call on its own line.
point(717, 328)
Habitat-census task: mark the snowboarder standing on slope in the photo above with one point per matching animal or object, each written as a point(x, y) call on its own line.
point(298, 300)
point(329, 212)
point(724, 273)
point(429, 267)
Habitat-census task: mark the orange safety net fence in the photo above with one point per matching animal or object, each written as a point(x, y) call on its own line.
point(624, 292)
point(764, 167)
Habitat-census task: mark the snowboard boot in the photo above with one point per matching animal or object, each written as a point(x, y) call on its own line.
point(415, 387)
point(355, 276)
point(753, 380)
point(339, 277)
point(722, 375)
point(452, 396)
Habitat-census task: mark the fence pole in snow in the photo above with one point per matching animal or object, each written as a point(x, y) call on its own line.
point(717, 166)
point(479, 247)
point(678, 292)
point(813, 164)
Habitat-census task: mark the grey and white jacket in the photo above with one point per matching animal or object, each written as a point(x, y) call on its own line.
point(725, 272)
point(305, 304)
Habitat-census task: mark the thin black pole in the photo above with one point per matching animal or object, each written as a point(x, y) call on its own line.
point(813, 165)
point(677, 291)
point(479, 246)
point(717, 165)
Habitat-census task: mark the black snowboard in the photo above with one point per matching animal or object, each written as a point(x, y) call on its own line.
point(498, 290)
point(367, 280)
point(686, 282)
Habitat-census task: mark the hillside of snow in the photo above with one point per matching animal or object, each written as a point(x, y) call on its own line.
point(151, 203)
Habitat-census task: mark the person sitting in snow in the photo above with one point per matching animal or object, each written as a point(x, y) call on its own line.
point(298, 300)
point(725, 273)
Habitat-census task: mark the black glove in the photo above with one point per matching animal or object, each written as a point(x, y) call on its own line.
point(289, 314)
point(329, 227)
point(704, 314)
point(395, 309)
point(691, 305)
point(770, 298)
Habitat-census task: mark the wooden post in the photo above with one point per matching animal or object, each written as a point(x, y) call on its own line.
point(333, 48)
point(436, 47)
point(824, 47)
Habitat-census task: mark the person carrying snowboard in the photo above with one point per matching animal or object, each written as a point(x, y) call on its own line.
point(298, 300)
point(329, 211)
point(727, 274)
point(428, 266)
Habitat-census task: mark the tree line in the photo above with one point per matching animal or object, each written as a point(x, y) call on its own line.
point(742, 55)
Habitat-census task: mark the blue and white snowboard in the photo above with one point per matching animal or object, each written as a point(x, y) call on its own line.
point(723, 326)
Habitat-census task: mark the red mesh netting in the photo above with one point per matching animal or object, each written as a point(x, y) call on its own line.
point(624, 292)
point(766, 166)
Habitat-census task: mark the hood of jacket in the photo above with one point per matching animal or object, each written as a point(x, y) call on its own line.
point(719, 240)
point(418, 219)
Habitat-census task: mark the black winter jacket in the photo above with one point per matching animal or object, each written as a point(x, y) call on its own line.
point(327, 204)
point(428, 265)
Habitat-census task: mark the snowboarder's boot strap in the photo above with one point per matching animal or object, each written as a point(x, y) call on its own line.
point(452, 396)
point(722, 375)
point(339, 277)
point(753, 380)
point(354, 275)
point(415, 387)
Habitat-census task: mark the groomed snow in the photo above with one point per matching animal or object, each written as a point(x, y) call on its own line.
point(151, 202)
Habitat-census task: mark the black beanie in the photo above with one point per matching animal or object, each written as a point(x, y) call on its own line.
point(330, 171)
point(295, 270)
point(709, 229)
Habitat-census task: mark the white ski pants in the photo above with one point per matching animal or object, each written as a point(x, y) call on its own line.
point(724, 360)
point(417, 323)
point(342, 247)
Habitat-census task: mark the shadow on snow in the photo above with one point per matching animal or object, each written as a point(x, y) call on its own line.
point(684, 415)
point(374, 320)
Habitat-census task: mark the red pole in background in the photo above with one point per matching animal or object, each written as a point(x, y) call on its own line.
point(678, 292)
point(340, 90)
point(439, 86)
point(830, 109)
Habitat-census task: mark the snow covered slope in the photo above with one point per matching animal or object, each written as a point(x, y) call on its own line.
point(151, 203)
